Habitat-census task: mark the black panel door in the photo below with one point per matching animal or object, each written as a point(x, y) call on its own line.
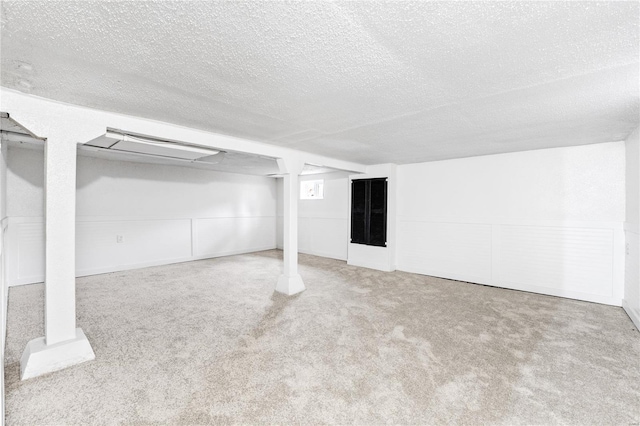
point(378, 213)
point(369, 211)
point(358, 211)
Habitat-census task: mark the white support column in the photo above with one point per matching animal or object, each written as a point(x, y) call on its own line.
point(64, 344)
point(60, 231)
point(290, 282)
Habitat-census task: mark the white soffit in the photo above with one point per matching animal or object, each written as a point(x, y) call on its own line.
point(369, 82)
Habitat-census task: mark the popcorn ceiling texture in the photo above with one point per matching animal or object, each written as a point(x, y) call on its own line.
point(370, 82)
point(209, 342)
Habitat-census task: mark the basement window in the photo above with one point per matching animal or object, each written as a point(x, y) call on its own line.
point(312, 189)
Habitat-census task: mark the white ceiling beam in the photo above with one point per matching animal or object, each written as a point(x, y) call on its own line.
point(56, 120)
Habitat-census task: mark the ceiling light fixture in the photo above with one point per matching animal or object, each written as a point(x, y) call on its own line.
point(163, 148)
point(135, 143)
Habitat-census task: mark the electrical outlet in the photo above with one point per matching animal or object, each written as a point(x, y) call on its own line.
point(119, 239)
point(626, 248)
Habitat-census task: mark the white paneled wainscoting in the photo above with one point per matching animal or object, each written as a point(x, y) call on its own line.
point(108, 244)
point(323, 236)
point(631, 301)
point(579, 260)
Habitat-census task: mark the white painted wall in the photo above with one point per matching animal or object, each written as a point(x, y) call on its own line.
point(547, 221)
point(322, 224)
point(631, 301)
point(165, 214)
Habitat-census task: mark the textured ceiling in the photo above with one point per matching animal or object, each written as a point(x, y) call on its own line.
point(370, 82)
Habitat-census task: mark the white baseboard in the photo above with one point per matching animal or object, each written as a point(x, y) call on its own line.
point(321, 254)
point(26, 280)
point(127, 267)
point(370, 265)
point(316, 253)
point(569, 294)
point(634, 314)
point(231, 253)
point(446, 275)
point(548, 291)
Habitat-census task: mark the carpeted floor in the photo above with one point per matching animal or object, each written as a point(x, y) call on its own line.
point(208, 342)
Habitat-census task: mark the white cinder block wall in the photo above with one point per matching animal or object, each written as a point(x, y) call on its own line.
point(163, 214)
point(322, 224)
point(631, 300)
point(547, 221)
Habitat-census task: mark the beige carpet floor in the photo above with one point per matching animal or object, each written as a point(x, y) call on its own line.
point(208, 342)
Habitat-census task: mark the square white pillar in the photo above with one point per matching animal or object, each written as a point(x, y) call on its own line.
point(290, 282)
point(63, 344)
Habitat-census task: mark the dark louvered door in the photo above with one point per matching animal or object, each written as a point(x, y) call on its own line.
point(369, 211)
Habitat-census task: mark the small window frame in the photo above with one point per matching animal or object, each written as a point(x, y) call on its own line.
point(312, 189)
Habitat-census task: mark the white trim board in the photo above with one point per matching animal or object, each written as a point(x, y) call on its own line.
point(634, 315)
